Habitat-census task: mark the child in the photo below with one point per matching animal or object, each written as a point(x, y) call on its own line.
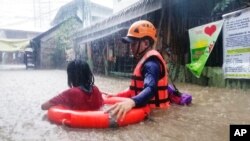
point(82, 94)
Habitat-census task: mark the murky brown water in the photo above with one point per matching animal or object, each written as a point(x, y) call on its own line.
point(208, 118)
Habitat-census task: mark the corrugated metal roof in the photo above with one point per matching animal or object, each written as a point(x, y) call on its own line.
point(38, 37)
point(101, 34)
point(17, 34)
point(65, 12)
point(114, 23)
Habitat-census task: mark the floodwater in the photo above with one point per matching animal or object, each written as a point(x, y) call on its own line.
point(208, 118)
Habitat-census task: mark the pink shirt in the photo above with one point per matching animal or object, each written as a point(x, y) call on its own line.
point(77, 99)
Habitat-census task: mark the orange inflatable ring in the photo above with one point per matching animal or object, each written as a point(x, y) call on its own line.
point(95, 119)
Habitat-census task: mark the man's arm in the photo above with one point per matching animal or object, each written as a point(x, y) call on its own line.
point(150, 83)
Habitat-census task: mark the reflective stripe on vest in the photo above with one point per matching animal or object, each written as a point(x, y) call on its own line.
point(161, 98)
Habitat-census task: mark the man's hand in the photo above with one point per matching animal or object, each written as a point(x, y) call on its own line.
point(120, 109)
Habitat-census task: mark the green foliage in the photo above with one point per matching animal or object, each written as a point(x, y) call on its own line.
point(63, 33)
point(64, 41)
point(222, 5)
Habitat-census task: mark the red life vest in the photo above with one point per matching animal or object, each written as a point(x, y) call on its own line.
point(160, 99)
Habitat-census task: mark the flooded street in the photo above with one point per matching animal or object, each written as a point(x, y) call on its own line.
point(23, 91)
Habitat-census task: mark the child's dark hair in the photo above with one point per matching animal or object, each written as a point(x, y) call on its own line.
point(79, 74)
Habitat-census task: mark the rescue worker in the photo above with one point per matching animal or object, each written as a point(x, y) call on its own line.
point(149, 80)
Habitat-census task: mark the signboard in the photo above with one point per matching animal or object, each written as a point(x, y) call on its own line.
point(12, 45)
point(202, 41)
point(236, 44)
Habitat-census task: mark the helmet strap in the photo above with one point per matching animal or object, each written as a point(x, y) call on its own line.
point(138, 54)
point(138, 47)
point(141, 53)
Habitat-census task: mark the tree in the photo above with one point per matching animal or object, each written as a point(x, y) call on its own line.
point(225, 5)
point(64, 41)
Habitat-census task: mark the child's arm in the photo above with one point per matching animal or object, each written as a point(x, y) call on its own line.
point(125, 93)
point(61, 99)
point(47, 105)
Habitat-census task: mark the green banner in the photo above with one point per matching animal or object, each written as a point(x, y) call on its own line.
point(202, 40)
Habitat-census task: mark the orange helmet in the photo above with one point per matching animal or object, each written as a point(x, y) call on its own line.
point(139, 30)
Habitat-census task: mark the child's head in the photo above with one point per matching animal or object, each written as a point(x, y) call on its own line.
point(79, 74)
